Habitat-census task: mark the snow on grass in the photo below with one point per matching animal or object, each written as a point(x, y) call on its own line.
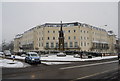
point(55, 63)
point(68, 58)
point(63, 60)
point(6, 63)
point(18, 57)
point(71, 58)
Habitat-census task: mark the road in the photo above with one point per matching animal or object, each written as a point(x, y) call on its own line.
point(108, 69)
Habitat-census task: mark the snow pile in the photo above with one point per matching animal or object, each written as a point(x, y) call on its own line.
point(12, 64)
point(18, 57)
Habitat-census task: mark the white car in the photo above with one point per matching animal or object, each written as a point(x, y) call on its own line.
point(46, 55)
point(7, 53)
point(1, 53)
point(77, 56)
point(23, 55)
point(61, 54)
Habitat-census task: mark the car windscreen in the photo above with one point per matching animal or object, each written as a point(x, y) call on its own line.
point(34, 55)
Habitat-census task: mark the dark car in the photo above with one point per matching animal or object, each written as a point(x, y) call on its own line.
point(32, 58)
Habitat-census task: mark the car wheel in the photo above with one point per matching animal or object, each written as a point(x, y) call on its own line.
point(40, 62)
point(25, 61)
point(30, 62)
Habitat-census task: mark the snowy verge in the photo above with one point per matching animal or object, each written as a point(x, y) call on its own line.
point(53, 59)
point(55, 63)
point(70, 58)
point(6, 63)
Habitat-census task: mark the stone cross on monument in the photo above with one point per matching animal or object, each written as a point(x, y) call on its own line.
point(61, 39)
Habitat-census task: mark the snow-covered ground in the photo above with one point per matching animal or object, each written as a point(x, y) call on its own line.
point(55, 63)
point(6, 63)
point(62, 60)
point(68, 58)
point(72, 59)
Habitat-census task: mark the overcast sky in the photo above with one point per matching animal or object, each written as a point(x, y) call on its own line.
point(18, 17)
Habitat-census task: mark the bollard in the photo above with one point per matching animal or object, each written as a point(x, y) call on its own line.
point(13, 58)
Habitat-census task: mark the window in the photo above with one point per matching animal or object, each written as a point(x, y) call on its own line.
point(47, 45)
point(84, 31)
point(76, 44)
point(81, 30)
point(84, 43)
point(87, 37)
point(53, 38)
point(48, 31)
point(81, 44)
point(74, 37)
point(87, 31)
point(81, 37)
point(48, 38)
point(39, 44)
point(74, 30)
point(52, 45)
point(56, 45)
point(42, 38)
point(53, 31)
point(66, 44)
point(71, 44)
point(69, 37)
point(69, 31)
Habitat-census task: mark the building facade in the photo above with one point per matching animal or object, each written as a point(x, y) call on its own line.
point(77, 37)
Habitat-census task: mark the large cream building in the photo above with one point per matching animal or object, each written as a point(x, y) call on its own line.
point(77, 37)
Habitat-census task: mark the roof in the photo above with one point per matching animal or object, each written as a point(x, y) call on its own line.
point(60, 23)
point(18, 36)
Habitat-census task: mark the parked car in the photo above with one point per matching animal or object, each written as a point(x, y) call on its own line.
point(1, 53)
point(32, 58)
point(84, 56)
point(90, 56)
point(45, 55)
point(7, 53)
point(61, 54)
point(77, 56)
point(23, 55)
point(119, 57)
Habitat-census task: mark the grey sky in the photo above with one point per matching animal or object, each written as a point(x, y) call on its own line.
point(18, 17)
